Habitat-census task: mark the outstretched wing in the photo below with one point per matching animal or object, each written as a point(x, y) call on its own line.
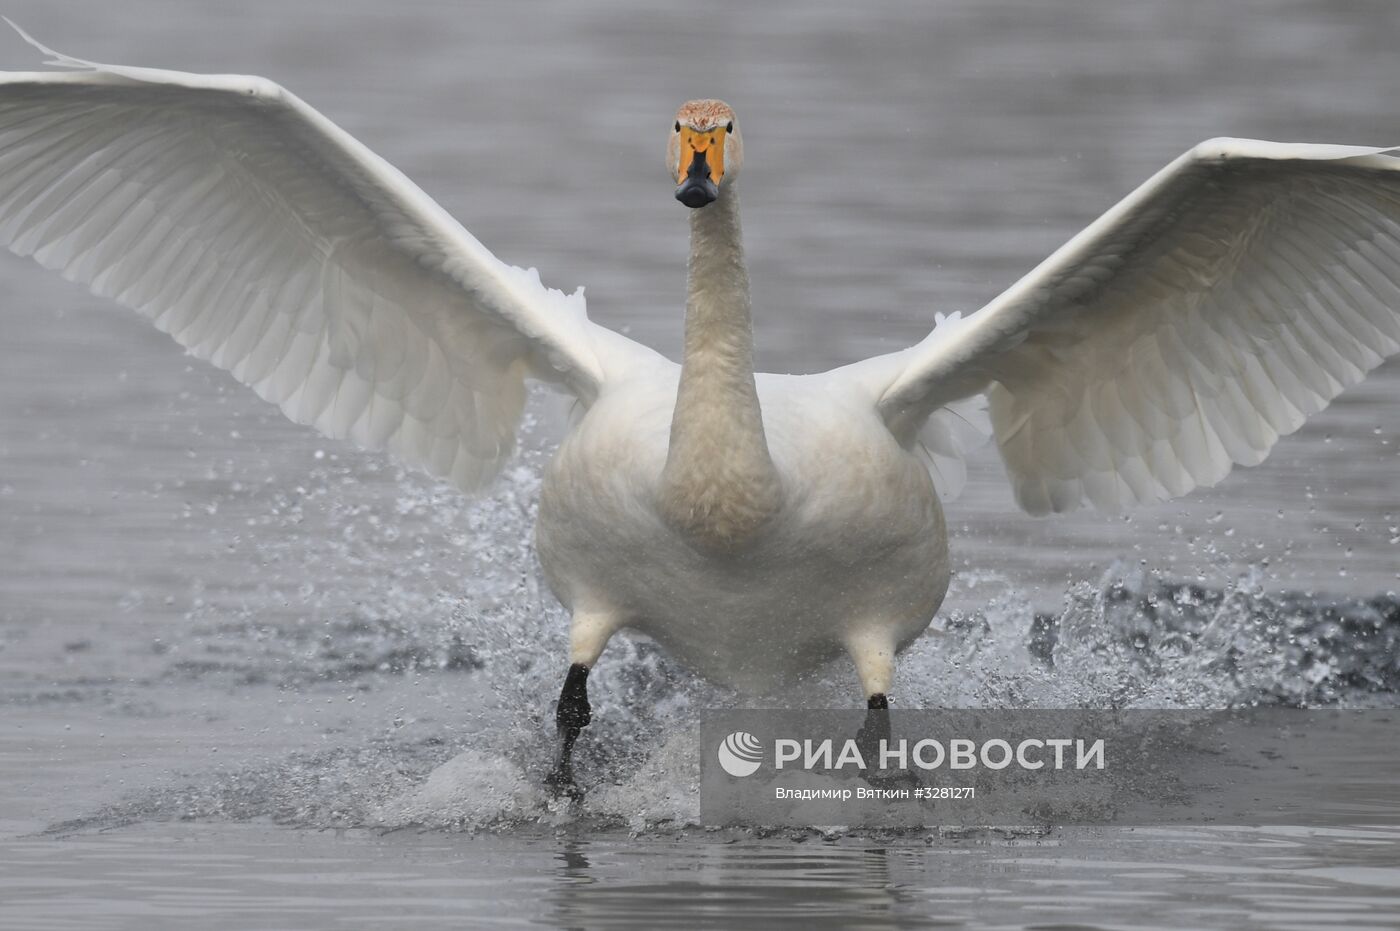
point(270, 242)
point(1211, 311)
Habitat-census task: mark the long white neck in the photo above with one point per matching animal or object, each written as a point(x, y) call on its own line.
point(719, 486)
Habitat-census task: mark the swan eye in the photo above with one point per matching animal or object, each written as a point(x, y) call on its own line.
point(730, 127)
point(678, 125)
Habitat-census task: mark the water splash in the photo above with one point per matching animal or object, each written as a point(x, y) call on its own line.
point(1121, 643)
point(1127, 641)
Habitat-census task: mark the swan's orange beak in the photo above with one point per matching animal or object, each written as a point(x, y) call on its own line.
point(700, 167)
point(707, 146)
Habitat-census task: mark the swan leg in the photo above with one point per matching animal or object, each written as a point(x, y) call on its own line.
point(873, 654)
point(588, 635)
point(872, 651)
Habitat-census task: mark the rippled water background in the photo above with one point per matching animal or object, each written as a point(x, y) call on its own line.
point(253, 678)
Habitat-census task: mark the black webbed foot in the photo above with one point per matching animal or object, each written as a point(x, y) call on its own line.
point(875, 729)
point(572, 716)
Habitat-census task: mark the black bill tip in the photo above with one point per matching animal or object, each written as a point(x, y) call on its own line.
point(697, 192)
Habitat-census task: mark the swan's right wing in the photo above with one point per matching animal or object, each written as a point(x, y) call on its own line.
point(1183, 332)
point(270, 242)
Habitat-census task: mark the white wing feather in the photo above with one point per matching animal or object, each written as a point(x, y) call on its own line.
point(270, 242)
point(1210, 312)
point(947, 438)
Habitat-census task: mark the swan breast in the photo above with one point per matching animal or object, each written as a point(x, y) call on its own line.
point(860, 537)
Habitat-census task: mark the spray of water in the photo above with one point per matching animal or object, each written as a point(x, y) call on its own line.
point(476, 614)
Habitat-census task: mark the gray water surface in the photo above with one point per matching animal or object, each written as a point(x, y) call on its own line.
point(251, 677)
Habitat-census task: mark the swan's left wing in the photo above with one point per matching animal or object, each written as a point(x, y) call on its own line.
point(270, 242)
point(1211, 311)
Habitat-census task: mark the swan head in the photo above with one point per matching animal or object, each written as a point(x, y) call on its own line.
point(705, 151)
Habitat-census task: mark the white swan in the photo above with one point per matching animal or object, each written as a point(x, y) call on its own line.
point(754, 525)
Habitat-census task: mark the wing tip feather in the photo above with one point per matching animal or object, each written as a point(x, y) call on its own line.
point(56, 58)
